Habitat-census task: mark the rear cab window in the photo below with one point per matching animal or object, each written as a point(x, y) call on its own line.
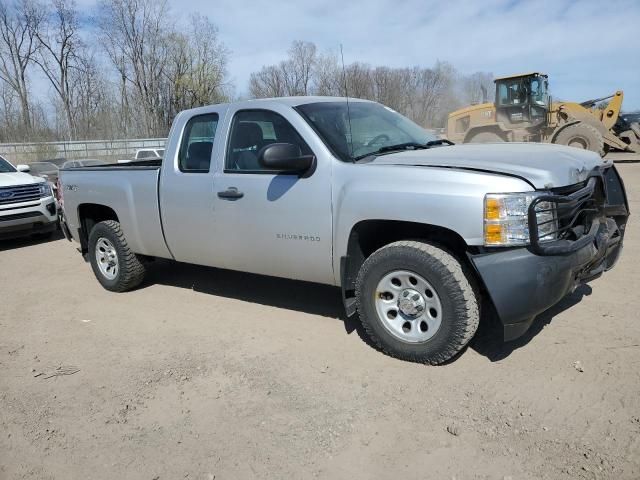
point(194, 155)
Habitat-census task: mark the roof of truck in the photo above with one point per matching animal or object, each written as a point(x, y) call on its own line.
point(302, 100)
point(289, 101)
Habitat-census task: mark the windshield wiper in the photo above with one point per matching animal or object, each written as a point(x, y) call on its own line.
point(440, 141)
point(406, 146)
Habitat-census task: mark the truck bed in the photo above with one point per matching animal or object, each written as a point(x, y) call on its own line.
point(131, 190)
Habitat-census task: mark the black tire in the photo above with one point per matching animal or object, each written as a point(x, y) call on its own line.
point(486, 137)
point(581, 135)
point(458, 297)
point(131, 270)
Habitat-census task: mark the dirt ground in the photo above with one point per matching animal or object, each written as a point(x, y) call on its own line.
point(204, 374)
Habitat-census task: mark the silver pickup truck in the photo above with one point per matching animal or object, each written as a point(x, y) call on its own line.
point(416, 232)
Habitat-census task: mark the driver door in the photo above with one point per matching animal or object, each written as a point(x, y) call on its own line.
point(270, 222)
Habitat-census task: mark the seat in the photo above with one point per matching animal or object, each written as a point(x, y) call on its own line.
point(246, 141)
point(198, 156)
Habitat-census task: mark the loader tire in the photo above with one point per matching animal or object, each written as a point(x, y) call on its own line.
point(486, 137)
point(115, 266)
point(581, 135)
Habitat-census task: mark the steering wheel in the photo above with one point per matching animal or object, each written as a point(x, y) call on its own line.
point(383, 137)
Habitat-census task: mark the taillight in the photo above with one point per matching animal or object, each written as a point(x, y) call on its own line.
point(59, 191)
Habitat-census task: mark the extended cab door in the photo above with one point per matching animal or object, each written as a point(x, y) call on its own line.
point(187, 186)
point(269, 222)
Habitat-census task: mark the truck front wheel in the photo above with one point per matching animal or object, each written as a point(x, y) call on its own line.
point(115, 266)
point(416, 303)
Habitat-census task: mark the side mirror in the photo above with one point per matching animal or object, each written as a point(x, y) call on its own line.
point(23, 168)
point(284, 156)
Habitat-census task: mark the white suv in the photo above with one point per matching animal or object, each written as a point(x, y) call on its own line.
point(27, 205)
point(149, 153)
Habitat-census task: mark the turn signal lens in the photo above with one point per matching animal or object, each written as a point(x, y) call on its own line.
point(506, 219)
point(492, 209)
point(493, 234)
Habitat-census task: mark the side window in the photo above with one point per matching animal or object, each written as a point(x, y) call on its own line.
point(251, 130)
point(197, 143)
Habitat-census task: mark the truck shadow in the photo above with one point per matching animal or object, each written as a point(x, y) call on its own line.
point(313, 298)
point(326, 301)
point(488, 339)
point(29, 241)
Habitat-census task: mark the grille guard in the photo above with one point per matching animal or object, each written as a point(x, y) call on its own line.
point(587, 208)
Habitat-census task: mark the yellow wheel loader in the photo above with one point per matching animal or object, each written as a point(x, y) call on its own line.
point(524, 112)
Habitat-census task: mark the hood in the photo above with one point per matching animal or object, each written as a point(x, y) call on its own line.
point(17, 178)
point(542, 165)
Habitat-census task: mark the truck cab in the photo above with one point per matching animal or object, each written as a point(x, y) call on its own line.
point(522, 100)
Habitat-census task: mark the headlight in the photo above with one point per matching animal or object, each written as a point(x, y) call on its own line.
point(45, 190)
point(506, 219)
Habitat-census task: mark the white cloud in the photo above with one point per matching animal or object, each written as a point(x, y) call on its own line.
point(588, 47)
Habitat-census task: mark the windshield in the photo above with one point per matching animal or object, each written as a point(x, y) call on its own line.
point(38, 168)
point(373, 127)
point(6, 167)
point(516, 91)
point(539, 90)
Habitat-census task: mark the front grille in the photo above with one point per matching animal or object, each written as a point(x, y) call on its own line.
point(18, 216)
point(19, 194)
point(575, 212)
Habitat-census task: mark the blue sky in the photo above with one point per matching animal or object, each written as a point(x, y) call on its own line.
point(589, 48)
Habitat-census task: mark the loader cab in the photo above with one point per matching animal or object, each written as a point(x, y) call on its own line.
point(522, 100)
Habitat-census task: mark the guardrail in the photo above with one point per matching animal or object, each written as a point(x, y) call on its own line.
point(99, 149)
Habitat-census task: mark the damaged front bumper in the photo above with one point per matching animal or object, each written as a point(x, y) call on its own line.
point(524, 282)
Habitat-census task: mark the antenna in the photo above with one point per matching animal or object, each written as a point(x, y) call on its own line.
point(346, 94)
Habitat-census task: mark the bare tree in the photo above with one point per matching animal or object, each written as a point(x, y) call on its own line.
point(476, 87)
point(197, 67)
point(430, 87)
point(92, 100)
point(162, 68)
point(359, 81)
point(425, 95)
point(297, 69)
point(268, 82)
point(135, 38)
point(59, 56)
point(327, 75)
point(291, 77)
point(9, 113)
point(18, 47)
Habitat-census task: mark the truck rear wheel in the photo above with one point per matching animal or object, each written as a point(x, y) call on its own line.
point(115, 266)
point(581, 135)
point(416, 303)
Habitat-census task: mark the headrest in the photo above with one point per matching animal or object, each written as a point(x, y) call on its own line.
point(247, 134)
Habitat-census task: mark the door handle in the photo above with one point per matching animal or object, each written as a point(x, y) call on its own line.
point(230, 193)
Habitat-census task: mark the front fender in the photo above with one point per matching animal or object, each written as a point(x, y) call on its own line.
point(445, 197)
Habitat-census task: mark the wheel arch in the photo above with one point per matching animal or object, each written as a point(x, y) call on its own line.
point(367, 236)
point(493, 128)
point(88, 215)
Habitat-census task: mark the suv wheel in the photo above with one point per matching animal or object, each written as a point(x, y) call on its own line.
point(416, 303)
point(115, 266)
